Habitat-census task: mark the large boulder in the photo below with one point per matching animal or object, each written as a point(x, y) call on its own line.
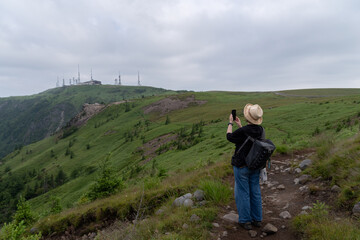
point(304, 164)
point(188, 203)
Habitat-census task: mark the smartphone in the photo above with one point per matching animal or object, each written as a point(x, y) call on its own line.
point(233, 112)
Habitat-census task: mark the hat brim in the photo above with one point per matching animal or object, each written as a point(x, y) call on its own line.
point(248, 116)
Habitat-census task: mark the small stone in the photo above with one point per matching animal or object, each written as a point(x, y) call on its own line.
point(335, 188)
point(252, 233)
point(304, 188)
point(269, 212)
point(225, 233)
point(356, 210)
point(199, 195)
point(185, 226)
point(303, 213)
point(285, 215)
point(188, 196)
point(287, 170)
point(283, 226)
point(92, 235)
point(269, 228)
point(264, 234)
point(232, 211)
point(159, 212)
point(286, 206)
point(261, 236)
point(277, 169)
point(281, 187)
point(188, 203)
point(34, 230)
point(304, 179)
point(298, 170)
point(273, 188)
point(231, 217)
point(296, 181)
point(305, 208)
point(215, 224)
point(305, 163)
point(194, 218)
point(202, 203)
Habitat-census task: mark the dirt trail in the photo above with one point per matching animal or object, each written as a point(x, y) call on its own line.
point(275, 201)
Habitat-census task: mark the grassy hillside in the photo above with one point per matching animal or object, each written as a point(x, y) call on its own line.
point(24, 120)
point(190, 139)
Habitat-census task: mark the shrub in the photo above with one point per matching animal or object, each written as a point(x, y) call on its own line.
point(106, 184)
point(23, 212)
point(55, 206)
point(216, 191)
point(13, 231)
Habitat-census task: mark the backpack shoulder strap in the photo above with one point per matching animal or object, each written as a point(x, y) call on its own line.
point(263, 133)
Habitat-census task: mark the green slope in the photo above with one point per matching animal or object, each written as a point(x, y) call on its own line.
point(290, 122)
point(24, 120)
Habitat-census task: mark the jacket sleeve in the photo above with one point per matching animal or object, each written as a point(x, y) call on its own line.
point(236, 136)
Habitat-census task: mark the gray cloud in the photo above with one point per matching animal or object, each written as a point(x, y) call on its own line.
point(194, 45)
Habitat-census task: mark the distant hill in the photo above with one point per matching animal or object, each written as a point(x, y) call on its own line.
point(28, 119)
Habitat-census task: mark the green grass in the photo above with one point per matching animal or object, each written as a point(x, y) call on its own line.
point(319, 225)
point(289, 121)
point(216, 191)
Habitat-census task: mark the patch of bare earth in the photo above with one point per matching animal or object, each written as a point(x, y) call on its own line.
point(88, 111)
point(172, 103)
point(150, 147)
point(290, 197)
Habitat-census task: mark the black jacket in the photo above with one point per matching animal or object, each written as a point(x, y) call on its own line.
point(239, 136)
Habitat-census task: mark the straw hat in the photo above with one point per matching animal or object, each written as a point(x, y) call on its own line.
point(253, 113)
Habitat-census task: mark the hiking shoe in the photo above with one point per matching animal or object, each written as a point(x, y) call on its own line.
point(256, 224)
point(246, 225)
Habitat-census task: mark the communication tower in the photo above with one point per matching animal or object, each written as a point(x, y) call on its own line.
point(139, 79)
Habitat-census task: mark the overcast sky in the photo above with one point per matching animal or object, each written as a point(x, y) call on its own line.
point(189, 44)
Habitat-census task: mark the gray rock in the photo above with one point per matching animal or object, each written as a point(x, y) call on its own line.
point(296, 181)
point(304, 164)
point(304, 179)
point(335, 188)
point(185, 226)
point(303, 213)
point(179, 201)
point(188, 203)
point(283, 226)
point(356, 209)
point(194, 218)
point(298, 170)
point(215, 224)
point(269, 228)
point(231, 217)
point(188, 196)
point(252, 233)
point(285, 215)
point(159, 212)
point(225, 233)
point(304, 189)
point(199, 195)
point(202, 203)
point(281, 187)
point(305, 208)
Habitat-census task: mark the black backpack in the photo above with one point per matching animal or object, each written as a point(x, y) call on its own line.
point(260, 151)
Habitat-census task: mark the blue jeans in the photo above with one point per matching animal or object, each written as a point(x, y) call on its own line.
point(248, 194)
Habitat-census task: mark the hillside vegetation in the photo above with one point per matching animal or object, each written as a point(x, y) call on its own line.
point(162, 153)
point(24, 120)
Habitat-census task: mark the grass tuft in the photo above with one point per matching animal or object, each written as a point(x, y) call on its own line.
point(216, 191)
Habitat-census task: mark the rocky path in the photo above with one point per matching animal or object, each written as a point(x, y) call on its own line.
point(283, 198)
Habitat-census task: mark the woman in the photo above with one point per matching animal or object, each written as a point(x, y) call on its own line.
point(247, 187)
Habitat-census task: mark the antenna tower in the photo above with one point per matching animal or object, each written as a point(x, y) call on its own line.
point(119, 79)
point(91, 75)
point(139, 79)
point(78, 80)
